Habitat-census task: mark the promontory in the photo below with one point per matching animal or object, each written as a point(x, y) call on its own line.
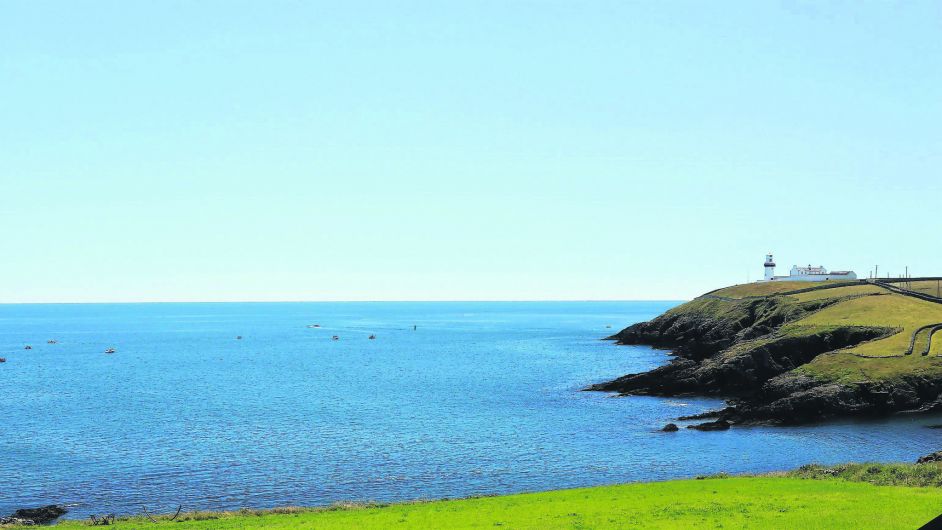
point(790, 352)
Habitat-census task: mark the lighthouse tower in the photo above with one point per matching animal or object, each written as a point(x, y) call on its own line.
point(769, 268)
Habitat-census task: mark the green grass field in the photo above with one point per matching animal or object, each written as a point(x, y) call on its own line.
point(740, 502)
point(890, 310)
point(761, 289)
point(929, 287)
point(852, 290)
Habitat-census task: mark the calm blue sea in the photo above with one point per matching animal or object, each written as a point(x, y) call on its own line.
point(480, 398)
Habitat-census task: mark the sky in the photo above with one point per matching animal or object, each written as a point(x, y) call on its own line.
point(461, 150)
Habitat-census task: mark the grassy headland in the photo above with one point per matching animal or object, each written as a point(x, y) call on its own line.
point(849, 496)
point(798, 351)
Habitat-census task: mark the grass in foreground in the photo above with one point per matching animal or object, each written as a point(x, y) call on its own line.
point(898, 474)
point(755, 502)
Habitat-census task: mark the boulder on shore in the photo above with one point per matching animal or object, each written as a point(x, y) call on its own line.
point(35, 516)
point(929, 458)
point(670, 427)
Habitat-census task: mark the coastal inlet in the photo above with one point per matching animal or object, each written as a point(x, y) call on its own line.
point(478, 398)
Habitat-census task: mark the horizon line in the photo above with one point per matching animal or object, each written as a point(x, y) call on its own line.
point(344, 301)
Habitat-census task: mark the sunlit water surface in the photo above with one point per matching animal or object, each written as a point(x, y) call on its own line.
point(480, 398)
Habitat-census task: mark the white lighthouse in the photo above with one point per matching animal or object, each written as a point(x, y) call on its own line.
point(769, 268)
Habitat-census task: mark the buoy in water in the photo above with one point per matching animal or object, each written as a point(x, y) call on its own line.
point(372, 337)
point(3, 359)
point(335, 337)
point(238, 337)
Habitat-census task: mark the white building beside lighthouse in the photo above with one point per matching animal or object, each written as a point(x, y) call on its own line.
point(804, 274)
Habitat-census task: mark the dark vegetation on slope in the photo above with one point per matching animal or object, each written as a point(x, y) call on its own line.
point(921, 475)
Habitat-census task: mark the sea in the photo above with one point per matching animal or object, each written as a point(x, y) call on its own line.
point(217, 406)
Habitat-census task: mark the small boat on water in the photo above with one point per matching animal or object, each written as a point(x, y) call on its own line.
point(3, 359)
point(372, 337)
point(314, 325)
point(238, 337)
point(51, 341)
point(335, 337)
point(110, 350)
point(28, 347)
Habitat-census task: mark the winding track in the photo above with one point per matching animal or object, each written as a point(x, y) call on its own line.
point(933, 328)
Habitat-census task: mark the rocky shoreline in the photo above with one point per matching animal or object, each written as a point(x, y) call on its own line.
point(34, 516)
point(736, 349)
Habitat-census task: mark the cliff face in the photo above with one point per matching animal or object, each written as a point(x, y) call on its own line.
point(756, 351)
point(795, 398)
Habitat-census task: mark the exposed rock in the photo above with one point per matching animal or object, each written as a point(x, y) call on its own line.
point(15, 521)
point(670, 427)
point(929, 458)
point(718, 425)
point(791, 398)
point(35, 516)
point(704, 415)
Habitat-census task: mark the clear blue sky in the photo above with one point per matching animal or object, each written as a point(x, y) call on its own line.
point(225, 150)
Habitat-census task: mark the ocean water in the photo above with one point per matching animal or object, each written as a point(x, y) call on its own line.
point(479, 398)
